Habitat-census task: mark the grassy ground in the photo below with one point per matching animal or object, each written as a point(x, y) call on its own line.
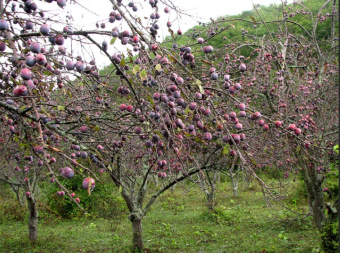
point(178, 222)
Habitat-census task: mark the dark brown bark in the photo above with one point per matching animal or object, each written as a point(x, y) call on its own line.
point(32, 219)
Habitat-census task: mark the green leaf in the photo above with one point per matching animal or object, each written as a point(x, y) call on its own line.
point(129, 52)
point(140, 33)
point(61, 108)
point(44, 111)
point(225, 150)
point(158, 67)
point(171, 32)
point(22, 145)
point(136, 69)
point(207, 62)
point(51, 87)
point(113, 40)
point(96, 128)
point(253, 19)
point(69, 93)
point(120, 189)
point(298, 149)
point(143, 74)
point(150, 100)
point(47, 73)
point(122, 62)
point(99, 154)
point(336, 149)
point(171, 58)
point(198, 82)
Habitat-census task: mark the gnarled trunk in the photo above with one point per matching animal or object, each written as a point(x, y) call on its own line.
point(32, 219)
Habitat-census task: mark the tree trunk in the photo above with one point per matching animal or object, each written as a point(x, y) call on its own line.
point(173, 189)
point(211, 201)
point(32, 219)
point(137, 235)
point(137, 232)
point(316, 201)
point(234, 181)
point(155, 179)
point(210, 195)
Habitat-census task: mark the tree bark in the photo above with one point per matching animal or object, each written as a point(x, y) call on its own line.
point(316, 203)
point(32, 219)
point(137, 231)
point(316, 200)
point(173, 189)
point(309, 190)
point(233, 173)
point(234, 181)
point(155, 179)
point(210, 201)
point(210, 195)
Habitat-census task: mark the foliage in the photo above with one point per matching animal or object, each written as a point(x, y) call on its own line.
point(105, 202)
point(10, 209)
point(332, 181)
point(330, 236)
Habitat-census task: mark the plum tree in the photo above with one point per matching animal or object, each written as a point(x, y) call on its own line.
point(154, 113)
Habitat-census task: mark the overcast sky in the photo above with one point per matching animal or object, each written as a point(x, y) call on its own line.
point(201, 10)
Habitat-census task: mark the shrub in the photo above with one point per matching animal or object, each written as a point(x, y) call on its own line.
point(103, 202)
point(10, 209)
point(330, 237)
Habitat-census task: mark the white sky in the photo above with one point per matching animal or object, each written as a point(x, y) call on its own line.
point(98, 11)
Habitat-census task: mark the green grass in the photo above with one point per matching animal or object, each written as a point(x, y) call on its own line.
point(178, 222)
